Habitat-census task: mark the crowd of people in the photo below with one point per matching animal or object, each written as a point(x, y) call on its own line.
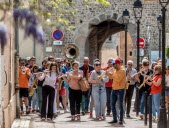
point(54, 84)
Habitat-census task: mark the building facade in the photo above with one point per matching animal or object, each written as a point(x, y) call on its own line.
point(96, 23)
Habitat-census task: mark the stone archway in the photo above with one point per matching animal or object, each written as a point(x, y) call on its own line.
point(92, 35)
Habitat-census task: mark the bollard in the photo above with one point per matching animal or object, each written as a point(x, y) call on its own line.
point(145, 105)
point(168, 117)
point(150, 111)
point(137, 101)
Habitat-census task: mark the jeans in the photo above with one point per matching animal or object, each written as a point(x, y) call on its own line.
point(156, 104)
point(117, 95)
point(86, 100)
point(128, 97)
point(35, 101)
point(99, 96)
point(75, 97)
point(108, 93)
point(142, 103)
point(54, 104)
point(39, 92)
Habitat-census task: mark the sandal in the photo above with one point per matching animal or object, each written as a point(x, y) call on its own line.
point(73, 118)
point(78, 117)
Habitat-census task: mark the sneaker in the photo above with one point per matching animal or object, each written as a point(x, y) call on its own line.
point(43, 119)
point(55, 115)
point(66, 111)
point(121, 122)
point(142, 116)
point(27, 112)
point(108, 114)
point(83, 113)
point(58, 111)
point(128, 116)
point(113, 122)
point(91, 115)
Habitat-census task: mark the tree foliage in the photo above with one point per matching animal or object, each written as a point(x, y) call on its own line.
point(63, 8)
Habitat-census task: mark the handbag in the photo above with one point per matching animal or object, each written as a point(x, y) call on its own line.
point(84, 85)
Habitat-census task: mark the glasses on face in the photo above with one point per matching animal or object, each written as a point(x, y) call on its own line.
point(22, 63)
point(130, 64)
point(97, 65)
point(59, 62)
point(35, 68)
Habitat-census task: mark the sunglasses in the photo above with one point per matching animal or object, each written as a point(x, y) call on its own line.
point(22, 63)
point(130, 64)
point(97, 65)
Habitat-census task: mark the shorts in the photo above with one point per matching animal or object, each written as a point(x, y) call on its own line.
point(23, 92)
point(62, 92)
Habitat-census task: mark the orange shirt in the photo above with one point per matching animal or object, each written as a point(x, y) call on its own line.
point(156, 89)
point(119, 79)
point(23, 79)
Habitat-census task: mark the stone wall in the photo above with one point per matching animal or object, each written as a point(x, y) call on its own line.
point(7, 88)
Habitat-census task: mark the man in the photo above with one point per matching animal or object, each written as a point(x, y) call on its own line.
point(31, 62)
point(130, 89)
point(86, 68)
point(51, 59)
point(24, 74)
point(108, 87)
point(119, 80)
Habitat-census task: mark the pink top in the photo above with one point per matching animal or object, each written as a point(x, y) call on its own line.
point(73, 83)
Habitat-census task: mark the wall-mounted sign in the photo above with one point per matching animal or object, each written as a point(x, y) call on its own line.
point(57, 42)
point(48, 49)
point(57, 34)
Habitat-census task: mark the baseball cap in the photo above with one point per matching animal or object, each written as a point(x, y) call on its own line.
point(116, 61)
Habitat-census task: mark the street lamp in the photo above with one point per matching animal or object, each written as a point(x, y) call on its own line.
point(163, 116)
point(138, 8)
point(125, 18)
point(159, 23)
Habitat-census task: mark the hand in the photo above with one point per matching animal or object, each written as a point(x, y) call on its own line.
point(63, 76)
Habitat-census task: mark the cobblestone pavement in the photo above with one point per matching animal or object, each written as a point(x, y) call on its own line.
point(63, 121)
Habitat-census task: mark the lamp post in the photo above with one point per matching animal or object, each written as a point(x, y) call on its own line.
point(159, 23)
point(125, 18)
point(163, 116)
point(138, 8)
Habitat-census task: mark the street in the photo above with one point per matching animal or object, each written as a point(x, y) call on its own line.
point(64, 121)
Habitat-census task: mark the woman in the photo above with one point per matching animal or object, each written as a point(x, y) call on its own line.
point(48, 91)
point(98, 80)
point(75, 94)
point(156, 90)
point(167, 87)
point(34, 97)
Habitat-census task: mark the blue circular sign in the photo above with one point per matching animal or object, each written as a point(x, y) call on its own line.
point(57, 34)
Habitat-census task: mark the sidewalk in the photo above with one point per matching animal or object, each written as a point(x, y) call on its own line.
point(63, 121)
point(23, 122)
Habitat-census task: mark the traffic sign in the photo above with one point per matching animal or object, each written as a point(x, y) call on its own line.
point(57, 42)
point(57, 34)
point(141, 43)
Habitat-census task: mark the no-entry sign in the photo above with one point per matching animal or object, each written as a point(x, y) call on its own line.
point(140, 43)
point(57, 34)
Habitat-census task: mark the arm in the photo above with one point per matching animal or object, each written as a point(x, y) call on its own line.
point(158, 83)
point(106, 79)
point(42, 77)
point(119, 77)
point(92, 80)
